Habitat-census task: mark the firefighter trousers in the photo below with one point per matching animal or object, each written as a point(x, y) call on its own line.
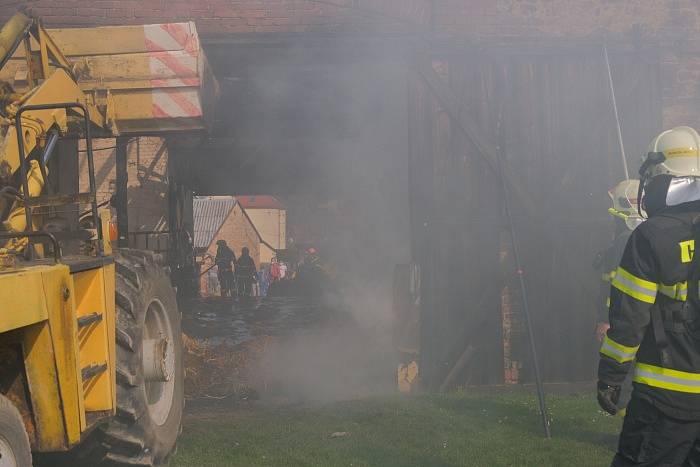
point(651, 438)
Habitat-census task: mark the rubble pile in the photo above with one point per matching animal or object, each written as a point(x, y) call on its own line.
point(224, 370)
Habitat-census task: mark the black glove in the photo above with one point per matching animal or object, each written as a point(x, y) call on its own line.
point(608, 397)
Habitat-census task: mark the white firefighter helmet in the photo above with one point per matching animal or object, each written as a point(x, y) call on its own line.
point(625, 204)
point(681, 156)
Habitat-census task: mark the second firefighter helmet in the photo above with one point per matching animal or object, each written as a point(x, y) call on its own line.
point(625, 205)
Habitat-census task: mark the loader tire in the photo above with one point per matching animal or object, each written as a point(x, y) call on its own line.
point(14, 442)
point(149, 414)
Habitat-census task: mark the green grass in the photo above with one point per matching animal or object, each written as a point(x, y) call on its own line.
point(438, 430)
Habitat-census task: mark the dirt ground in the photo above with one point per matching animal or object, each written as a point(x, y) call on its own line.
point(281, 349)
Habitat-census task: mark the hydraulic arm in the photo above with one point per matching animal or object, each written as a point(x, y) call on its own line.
point(50, 80)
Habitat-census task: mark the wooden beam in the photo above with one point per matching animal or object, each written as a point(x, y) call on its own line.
point(487, 149)
point(457, 368)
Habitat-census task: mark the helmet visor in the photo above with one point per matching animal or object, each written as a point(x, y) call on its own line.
point(683, 190)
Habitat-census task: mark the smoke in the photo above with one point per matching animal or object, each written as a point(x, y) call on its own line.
point(340, 359)
point(323, 123)
point(344, 177)
point(322, 120)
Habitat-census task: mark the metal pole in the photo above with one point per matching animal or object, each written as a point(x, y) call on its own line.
point(617, 117)
point(122, 199)
point(523, 291)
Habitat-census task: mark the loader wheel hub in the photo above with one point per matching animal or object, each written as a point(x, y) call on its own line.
point(158, 362)
point(7, 455)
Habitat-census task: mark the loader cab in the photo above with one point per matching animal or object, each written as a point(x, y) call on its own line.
point(61, 223)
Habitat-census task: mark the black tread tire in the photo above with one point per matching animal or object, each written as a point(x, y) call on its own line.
point(13, 431)
point(132, 438)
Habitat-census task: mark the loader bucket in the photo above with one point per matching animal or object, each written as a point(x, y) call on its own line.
point(155, 78)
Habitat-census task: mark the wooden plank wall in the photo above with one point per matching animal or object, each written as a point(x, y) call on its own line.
point(551, 117)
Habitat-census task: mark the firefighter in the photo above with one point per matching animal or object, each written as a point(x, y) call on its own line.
point(225, 258)
point(655, 313)
point(246, 273)
point(625, 213)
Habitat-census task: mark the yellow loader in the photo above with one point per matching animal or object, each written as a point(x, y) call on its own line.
point(91, 367)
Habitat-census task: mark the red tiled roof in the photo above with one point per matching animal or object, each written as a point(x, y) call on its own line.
point(259, 202)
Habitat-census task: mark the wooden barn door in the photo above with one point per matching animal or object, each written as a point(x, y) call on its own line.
point(548, 117)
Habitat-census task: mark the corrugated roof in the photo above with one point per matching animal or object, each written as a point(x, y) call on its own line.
point(260, 202)
point(209, 213)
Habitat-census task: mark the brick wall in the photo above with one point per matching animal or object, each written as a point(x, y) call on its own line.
point(479, 19)
point(511, 322)
point(147, 186)
point(272, 226)
point(237, 16)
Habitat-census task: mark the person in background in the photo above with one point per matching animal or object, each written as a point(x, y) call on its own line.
point(312, 277)
point(225, 259)
point(311, 258)
point(275, 272)
point(282, 271)
point(246, 273)
point(263, 281)
point(309, 266)
point(625, 214)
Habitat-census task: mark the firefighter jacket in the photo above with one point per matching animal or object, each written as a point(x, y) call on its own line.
point(610, 261)
point(652, 319)
point(245, 267)
point(224, 258)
